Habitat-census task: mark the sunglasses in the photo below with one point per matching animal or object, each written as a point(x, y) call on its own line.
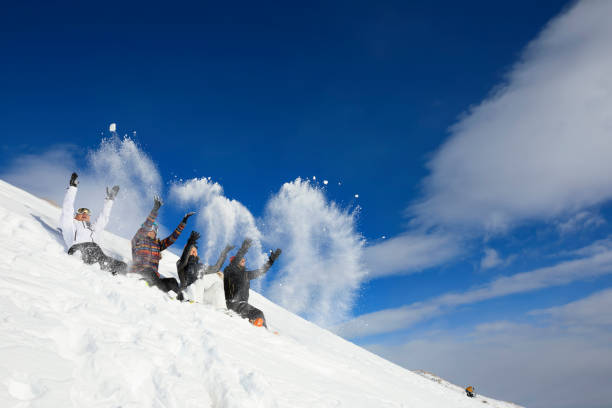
point(83, 211)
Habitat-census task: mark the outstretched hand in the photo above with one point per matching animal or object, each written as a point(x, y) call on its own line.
point(186, 217)
point(74, 182)
point(157, 202)
point(112, 193)
point(228, 248)
point(247, 243)
point(274, 255)
point(194, 237)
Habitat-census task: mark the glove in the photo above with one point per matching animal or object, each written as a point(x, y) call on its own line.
point(193, 237)
point(274, 255)
point(247, 243)
point(228, 248)
point(73, 180)
point(186, 217)
point(112, 193)
point(157, 203)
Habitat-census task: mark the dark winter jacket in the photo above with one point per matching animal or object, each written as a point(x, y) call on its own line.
point(190, 269)
point(237, 279)
point(146, 251)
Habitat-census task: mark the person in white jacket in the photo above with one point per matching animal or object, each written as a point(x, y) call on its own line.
point(82, 235)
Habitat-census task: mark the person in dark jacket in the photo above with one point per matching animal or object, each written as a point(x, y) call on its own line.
point(237, 282)
point(147, 248)
point(201, 283)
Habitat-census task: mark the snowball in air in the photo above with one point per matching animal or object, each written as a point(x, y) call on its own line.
point(356, 195)
point(325, 181)
point(112, 127)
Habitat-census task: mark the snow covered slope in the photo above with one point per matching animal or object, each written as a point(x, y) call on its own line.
point(73, 335)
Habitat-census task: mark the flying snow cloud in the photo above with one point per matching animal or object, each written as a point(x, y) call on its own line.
point(322, 266)
point(221, 220)
point(115, 161)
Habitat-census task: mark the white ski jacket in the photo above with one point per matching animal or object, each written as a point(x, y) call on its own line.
point(76, 232)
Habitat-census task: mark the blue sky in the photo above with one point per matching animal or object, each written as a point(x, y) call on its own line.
point(475, 135)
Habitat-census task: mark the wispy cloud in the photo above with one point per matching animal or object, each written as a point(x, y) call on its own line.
point(536, 364)
point(597, 263)
point(491, 259)
point(539, 146)
point(411, 252)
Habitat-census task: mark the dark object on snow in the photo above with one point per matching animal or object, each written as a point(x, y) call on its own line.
point(237, 282)
point(91, 253)
point(470, 392)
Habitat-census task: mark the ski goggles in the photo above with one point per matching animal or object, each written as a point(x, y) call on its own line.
point(154, 227)
point(83, 211)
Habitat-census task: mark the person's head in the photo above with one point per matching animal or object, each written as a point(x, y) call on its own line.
point(82, 214)
point(152, 232)
point(193, 251)
point(241, 263)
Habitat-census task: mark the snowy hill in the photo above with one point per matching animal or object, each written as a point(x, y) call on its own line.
point(72, 335)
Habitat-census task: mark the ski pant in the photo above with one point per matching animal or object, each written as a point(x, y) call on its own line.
point(246, 311)
point(91, 253)
point(207, 290)
point(164, 284)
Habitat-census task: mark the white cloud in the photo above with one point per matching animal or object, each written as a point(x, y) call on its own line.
point(538, 147)
point(595, 310)
point(321, 267)
point(491, 259)
point(580, 221)
point(598, 263)
point(556, 365)
point(410, 252)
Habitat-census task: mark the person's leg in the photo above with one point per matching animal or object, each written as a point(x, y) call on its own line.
point(170, 284)
point(249, 312)
point(211, 291)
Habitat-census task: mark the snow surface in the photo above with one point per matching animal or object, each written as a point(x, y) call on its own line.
point(73, 335)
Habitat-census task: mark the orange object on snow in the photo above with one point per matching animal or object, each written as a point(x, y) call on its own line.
point(258, 322)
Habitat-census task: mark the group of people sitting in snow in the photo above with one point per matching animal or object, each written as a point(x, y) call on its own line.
point(198, 282)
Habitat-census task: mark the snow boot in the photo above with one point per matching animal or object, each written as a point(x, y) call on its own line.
point(257, 322)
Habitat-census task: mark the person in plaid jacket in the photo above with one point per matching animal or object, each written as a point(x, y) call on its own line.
point(146, 250)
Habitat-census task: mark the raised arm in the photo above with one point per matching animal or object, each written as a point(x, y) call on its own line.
point(217, 267)
point(102, 221)
point(261, 271)
point(148, 224)
point(246, 244)
point(182, 262)
point(66, 224)
point(171, 239)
